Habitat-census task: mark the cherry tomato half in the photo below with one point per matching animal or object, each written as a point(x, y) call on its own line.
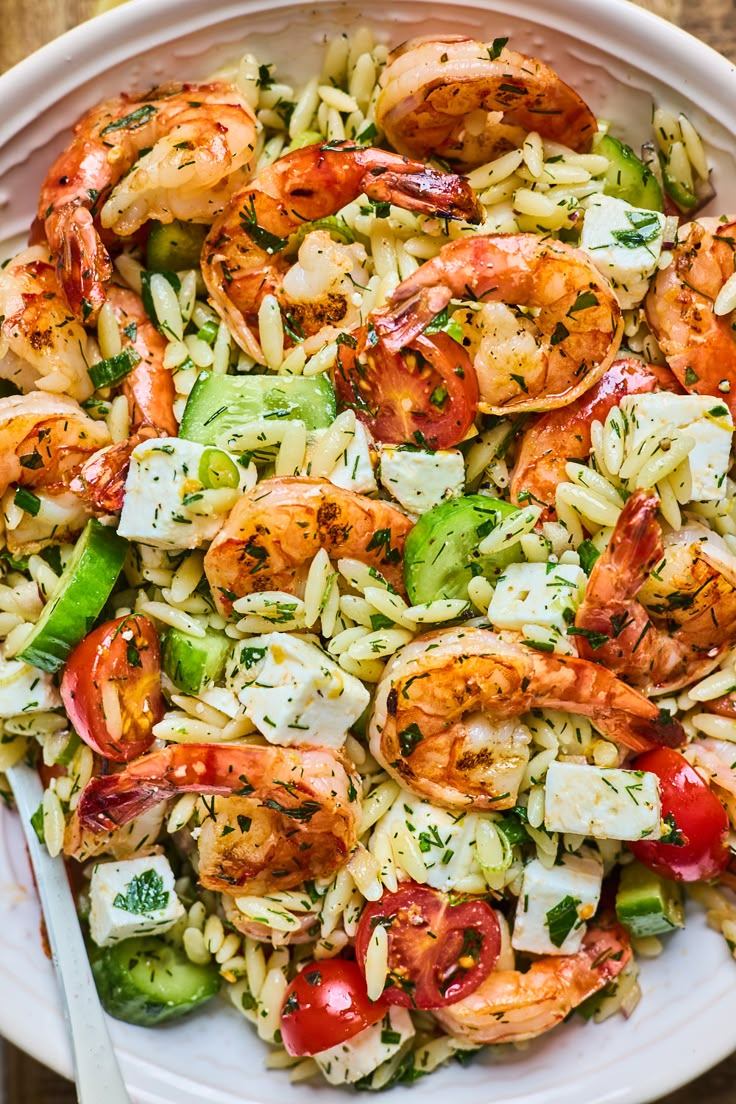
point(124, 654)
point(438, 952)
point(695, 847)
point(326, 1004)
point(426, 395)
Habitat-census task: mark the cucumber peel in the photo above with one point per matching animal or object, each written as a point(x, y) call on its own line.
point(627, 177)
point(85, 586)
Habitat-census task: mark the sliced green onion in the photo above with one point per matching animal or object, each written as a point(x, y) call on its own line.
point(106, 372)
point(217, 469)
point(208, 332)
point(27, 501)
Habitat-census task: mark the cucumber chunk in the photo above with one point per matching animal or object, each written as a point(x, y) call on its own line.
point(191, 662)
point(441, 552)
point(175, 245)
point(647, 904)
point(145, 980)
point(219, 405)
point(84, 588)
point(628, 178)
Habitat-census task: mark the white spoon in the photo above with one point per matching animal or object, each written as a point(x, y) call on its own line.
point(96, 1071)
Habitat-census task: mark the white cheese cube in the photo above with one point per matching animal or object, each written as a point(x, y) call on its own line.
point(624, 244)
point(166, 504)
point(601, 802)
point(132, 897)
point(703, 417)
point(420, 479)
point(536, 594)
point(25, 689)
point(554, 904)
point(293, 692)
point(354, 468)
point(365, 1052)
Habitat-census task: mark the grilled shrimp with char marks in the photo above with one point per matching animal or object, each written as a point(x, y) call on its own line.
point(510, 1006)
point(467, 101)
point(279, 816)
point(659, 612)
point(242, 257)
point(445, 720)
point(175, 152)
point(274, 531)
point(521, 363)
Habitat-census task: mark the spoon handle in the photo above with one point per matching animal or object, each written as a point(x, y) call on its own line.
point(97, 1074)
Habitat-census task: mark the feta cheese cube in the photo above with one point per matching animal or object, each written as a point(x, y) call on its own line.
point(132, 897)
point(25, 689)
point(536, 594)
point(624, 243)
point(554, 904)
point(293, 692)
point(354, 468)
point(601, 802)
point(703, 417)
point(420, 479)
point(166, 504)
point(365, 1052)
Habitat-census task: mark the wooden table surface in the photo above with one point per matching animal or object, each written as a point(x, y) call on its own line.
point(28, 24)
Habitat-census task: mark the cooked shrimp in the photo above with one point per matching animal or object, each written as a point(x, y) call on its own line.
point(42, 344)
point(510, 1006)
point(100, 482)
point(274, 531)
point(44, 439)
point(467, 101)
point(149, 388)
point(175, 152)
point(521, 364)
point(564, 434)
point(435, 724)
point(659, 612)
point(700, 345)
point(242, 257)
point(290, 815)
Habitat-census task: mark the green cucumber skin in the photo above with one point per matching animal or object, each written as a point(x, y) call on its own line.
point(443, 544)
point(191, 662)
point(173, 246)
point(85, 586)
point(647, 904)
point(146, 981)
point(221, 404)
point(628, 178)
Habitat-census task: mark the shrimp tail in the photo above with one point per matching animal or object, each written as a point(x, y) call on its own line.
point(629, 558)
point(428, 192)
point(100, 482)
point(82, 263)
point(398, 327)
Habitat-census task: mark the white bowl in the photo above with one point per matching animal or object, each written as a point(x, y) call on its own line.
point(620, 58)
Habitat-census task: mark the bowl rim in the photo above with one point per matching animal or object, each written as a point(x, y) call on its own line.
point(26, 91)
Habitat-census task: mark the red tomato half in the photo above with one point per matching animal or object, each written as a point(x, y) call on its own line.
point(438, 952)
point(698, 825)
point(426, 395)
point(325, 1005)
point(125, 654)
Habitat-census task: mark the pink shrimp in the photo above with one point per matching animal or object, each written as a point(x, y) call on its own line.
point(564, 434)
point(173, 152)
point(442, 96)
point(291, 814)
point(444, 720)
point(521, 364)
point(510, 1006)
point(699, 344)
point(242, 257)
point(658, 613)
point(149, 388)
point(274, 530)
